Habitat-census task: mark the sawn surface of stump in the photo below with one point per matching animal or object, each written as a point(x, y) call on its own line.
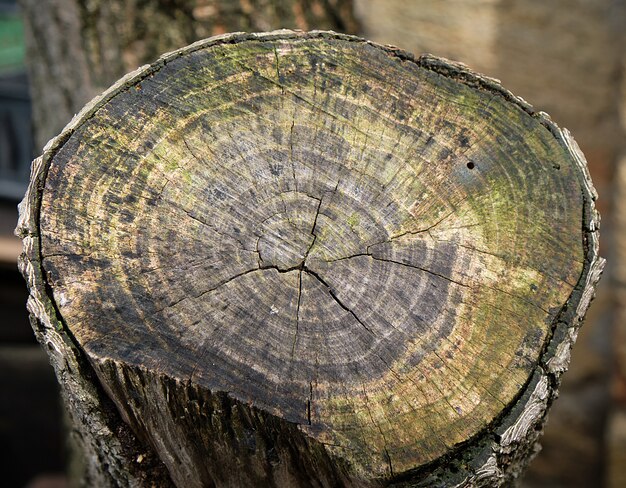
point(295, 257)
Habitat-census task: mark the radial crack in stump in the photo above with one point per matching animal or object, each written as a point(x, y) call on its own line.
point(308, 260)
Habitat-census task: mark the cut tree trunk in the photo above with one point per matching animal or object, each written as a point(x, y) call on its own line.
point(78, 48)
point(303, 259)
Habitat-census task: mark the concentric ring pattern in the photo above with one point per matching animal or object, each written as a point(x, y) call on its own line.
point(323, 230)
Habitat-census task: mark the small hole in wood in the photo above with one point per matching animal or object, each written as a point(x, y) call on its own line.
point(471, 165)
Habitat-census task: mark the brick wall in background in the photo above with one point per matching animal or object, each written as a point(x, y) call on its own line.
point(563, 56)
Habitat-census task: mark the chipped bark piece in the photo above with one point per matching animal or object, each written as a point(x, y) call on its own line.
point(304, 259)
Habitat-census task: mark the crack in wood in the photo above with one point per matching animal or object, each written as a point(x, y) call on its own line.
point(295, 337)
point(334, 296)
point(378, 427)
point(311, 104)
point(278, 69)
point(309, 402)
point(415, 232)
point(447, 278)
point(293, 164)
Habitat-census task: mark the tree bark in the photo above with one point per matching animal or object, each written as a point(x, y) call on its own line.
point(293, 259)
point(77, 49)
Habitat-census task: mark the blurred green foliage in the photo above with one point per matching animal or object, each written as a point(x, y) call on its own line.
point(12, 48)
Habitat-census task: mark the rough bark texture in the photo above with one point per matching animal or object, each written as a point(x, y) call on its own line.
point(305, 259)
point(77, 48)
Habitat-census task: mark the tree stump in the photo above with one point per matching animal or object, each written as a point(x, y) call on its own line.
point(304, 259)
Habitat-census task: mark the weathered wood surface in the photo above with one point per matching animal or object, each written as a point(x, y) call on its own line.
point(306, 259)
point(77, 48)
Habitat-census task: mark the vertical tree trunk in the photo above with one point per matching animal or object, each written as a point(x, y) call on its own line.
point(77, 49)
point(295, 259)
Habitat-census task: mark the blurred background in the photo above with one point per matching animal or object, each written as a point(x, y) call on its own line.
point(565, 57)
